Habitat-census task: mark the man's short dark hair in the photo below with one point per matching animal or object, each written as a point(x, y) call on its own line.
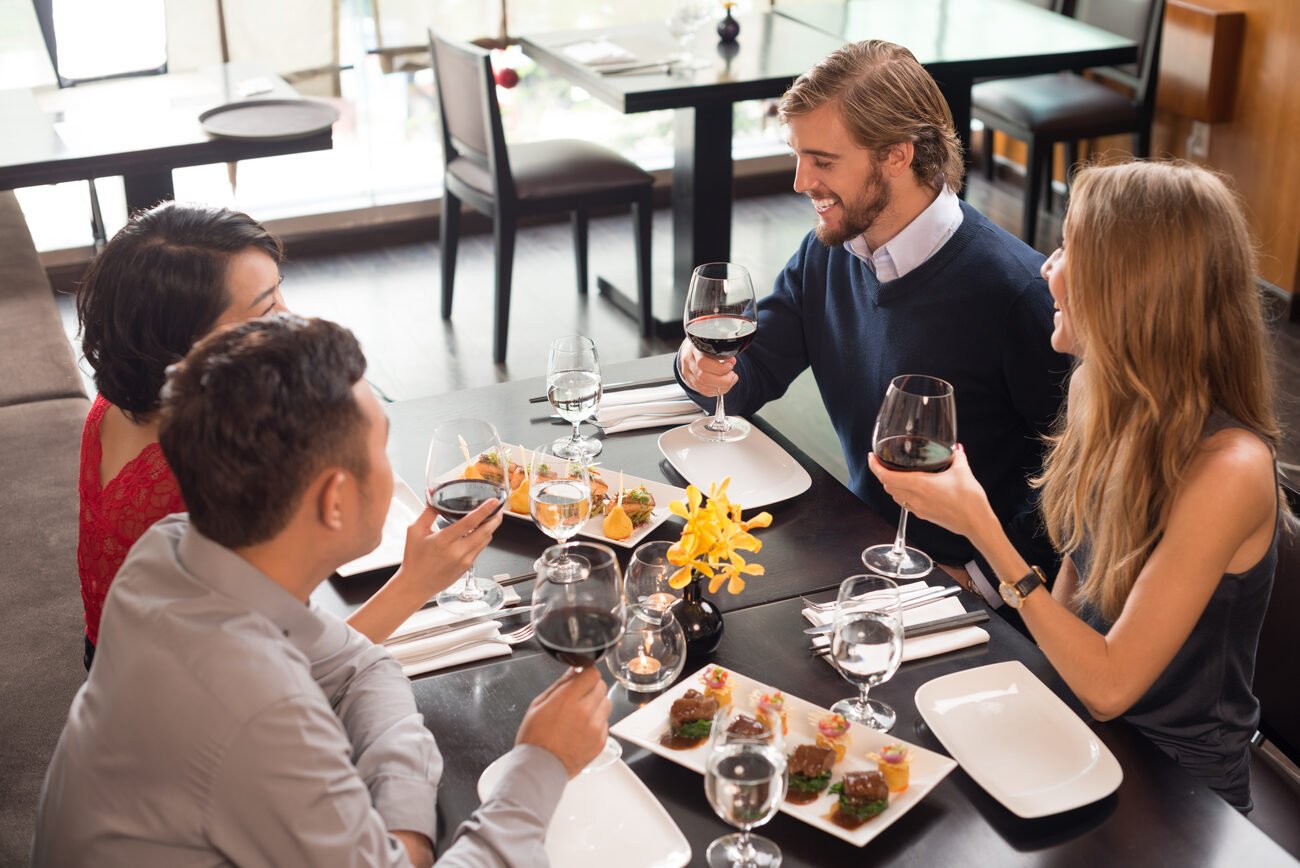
point(253, 414)
point(158, 287)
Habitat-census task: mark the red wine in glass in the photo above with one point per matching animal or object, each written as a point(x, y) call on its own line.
point(721, 336)
point(578, 635)
point(460, 497)
point(911, 453)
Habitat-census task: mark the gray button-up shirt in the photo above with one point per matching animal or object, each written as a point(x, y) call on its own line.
point(225, 722)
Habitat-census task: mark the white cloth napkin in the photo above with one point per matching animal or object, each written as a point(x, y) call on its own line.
point(595, 52)
point(657, 406)
point(420, 653)
point(921, 646)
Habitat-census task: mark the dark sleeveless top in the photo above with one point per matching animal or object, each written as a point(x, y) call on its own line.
point(1200, 711)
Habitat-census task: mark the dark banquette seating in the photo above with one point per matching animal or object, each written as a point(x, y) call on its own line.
point(42, 409)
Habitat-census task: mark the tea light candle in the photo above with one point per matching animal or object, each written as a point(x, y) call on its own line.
point(643, 669)
point(660, 600)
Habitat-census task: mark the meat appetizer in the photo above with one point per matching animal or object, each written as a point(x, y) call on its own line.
point(488, 466)
point(863, 795)
point(639, 504)
point(745, 726)
point(810, 773)
point(690, 719)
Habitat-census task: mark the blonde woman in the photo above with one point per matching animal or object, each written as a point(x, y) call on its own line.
point(1160, 485)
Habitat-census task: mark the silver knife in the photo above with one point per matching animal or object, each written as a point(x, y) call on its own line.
point(442, 629)
point(920, 600)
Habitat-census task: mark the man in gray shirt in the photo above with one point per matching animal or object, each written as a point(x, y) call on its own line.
point(226, 720)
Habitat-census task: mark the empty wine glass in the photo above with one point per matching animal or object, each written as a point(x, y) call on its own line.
point(744, 781)
point(916, 430)
point(573, 386)
point(721, 319)
point(686, 18)
point(578, 611)
point(867, 645)
point(466, 467)
point(559, 495)
point(648, 572)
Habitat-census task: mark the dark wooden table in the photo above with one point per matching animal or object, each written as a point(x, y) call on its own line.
point(140, 128)
point(1159, 816)
point(958, 41)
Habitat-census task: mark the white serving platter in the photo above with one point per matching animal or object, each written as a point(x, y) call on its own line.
point(606, 817)
point(1018, 740)
point(761, 471)
point(645, 726)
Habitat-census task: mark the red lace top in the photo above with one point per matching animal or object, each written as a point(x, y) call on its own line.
point(114, 516)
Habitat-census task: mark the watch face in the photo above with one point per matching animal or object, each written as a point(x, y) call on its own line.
point(1009, 596)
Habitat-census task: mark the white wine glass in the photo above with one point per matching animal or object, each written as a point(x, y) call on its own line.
point(466, 467)
point(559, 496)
point(744, 781)
point(573, 387)
point(916, 431)
point(867, 645)
point(721, 319)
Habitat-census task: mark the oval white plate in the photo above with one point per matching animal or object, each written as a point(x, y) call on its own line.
point(606, 817)
point(761, 472)
point(1018, 740)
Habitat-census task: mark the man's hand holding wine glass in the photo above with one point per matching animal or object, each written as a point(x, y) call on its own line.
point(704, 374)
point(570, 719)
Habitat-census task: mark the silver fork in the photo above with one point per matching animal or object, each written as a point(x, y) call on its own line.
point(516, 637)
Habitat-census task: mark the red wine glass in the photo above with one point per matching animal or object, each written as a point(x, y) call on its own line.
point(721, 319)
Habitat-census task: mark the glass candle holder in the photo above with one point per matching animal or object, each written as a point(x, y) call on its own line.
point(652, 652)
point(645, 582)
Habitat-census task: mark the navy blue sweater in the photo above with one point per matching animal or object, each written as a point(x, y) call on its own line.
point(976, 314)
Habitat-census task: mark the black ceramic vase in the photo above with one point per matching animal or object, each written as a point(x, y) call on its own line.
point(701, 620)
point(728, 28)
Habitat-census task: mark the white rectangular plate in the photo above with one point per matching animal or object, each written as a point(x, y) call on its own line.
point(1018, 740)
point(761, 472)
point(593, 527)
point(403, 510)
point(607, 817)
point(644, 727)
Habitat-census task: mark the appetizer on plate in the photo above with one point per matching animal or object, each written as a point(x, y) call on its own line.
point(639, 504)
point(488, 466)
point(717, 684)
point(749, 727)
point(809, 768)
point(616, 524)
point(863, 795)
point(600, 498)
point(770, 708)
point(832, 732)
point(895, 764)
point(690, 720)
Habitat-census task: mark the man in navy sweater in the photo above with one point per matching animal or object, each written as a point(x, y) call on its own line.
point(902, 277)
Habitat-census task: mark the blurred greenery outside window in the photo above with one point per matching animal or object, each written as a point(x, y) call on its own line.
point(386, 142)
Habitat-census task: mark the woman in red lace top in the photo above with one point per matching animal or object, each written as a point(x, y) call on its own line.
point(173, 274)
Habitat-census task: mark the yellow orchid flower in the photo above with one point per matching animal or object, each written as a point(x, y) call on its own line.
point(713, 538)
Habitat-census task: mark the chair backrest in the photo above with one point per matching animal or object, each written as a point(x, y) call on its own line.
point(468, 112)
point(1278, 659)
point(1139, 20)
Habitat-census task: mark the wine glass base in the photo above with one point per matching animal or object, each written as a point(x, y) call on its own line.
point(736, 429)
point(583, 447)
point(874, 715)
point(611, 753)
point(727, 852)
point(483, 596)
point(884, 561)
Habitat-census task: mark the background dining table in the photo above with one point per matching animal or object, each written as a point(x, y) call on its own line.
point(958, 41)
point(1158, 816)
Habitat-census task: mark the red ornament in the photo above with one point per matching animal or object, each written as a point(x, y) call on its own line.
point(506, 78)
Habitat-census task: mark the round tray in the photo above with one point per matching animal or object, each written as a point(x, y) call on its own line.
point(269, 119)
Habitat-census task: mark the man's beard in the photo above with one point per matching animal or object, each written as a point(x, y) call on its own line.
point(858, 216)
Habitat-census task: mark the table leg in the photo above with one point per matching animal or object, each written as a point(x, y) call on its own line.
point(146, 189)
point(956, 90)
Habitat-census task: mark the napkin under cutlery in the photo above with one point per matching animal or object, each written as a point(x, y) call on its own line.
point(659, 406)
point(419, 646)
point(596, 52)
point(918, 647)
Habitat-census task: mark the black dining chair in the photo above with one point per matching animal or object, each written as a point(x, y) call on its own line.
point(1042, 110)
point(1274, 789)
point(507, 183)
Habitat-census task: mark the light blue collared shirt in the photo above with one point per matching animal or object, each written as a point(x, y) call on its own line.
point(915, 243)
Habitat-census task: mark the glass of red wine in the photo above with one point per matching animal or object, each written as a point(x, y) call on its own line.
point(466, 467)
point(578, 611)
point(721, 319)
point(916, 430)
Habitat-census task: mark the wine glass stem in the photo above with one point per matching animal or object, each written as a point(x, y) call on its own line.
point(469, 590)
point(745, 849)
point(577, 433)
point(719, 422)
point(900, 546)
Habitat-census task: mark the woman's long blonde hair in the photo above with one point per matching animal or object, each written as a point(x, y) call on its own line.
point(1161, 293)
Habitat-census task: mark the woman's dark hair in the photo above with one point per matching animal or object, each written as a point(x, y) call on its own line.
point(253, 414)
point(157, 287)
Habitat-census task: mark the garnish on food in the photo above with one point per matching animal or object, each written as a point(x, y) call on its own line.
point(770, 707)
point(895, 763)
point(717, 684)
point(832, 732)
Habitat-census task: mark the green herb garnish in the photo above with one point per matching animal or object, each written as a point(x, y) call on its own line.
point(694, 729)
point(858, 811)
point(803, 784)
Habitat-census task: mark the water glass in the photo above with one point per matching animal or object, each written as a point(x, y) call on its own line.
point(867, 645)
point(573, 387)
point(744, 781)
